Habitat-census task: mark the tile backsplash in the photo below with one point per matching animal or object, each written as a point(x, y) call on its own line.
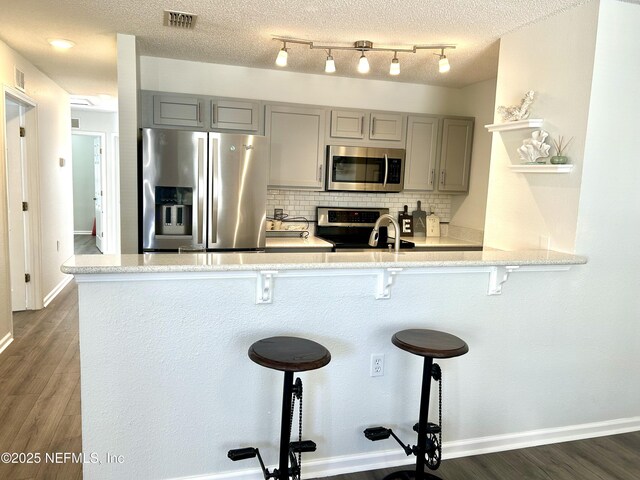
point(299, 203)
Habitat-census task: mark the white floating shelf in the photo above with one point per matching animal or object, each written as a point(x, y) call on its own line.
point(502, 127)
point(542, 168)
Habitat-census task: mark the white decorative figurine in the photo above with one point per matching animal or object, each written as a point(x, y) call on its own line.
point(534, 147)
point(519, 112)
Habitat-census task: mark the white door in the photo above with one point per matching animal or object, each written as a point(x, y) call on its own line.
point(16, 162)
point(98, 192)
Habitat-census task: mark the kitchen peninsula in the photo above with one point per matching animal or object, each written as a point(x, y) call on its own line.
point(167, 384)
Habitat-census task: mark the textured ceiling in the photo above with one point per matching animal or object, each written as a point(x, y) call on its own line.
point(238, 32)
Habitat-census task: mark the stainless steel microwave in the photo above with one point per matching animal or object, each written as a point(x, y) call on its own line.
point(364, 169)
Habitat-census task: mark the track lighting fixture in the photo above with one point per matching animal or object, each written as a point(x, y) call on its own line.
point(394, 68)
point(363, 46)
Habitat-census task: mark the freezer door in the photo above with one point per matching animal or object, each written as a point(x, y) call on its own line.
point(237, 192)
point(173, 188)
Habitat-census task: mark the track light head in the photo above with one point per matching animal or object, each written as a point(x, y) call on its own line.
point(330, 64)
point(394, 68)
point(281, 59)
point(443, 63)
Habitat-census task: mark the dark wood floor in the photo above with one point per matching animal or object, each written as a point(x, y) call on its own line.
point(85, 245)
point(40, 389)
point(616, 457)
point(40, 412)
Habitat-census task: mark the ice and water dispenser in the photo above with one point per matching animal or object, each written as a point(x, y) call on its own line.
point(174, 210)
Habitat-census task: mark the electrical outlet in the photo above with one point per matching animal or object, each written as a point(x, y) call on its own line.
point(278, 213)
point(377, 365)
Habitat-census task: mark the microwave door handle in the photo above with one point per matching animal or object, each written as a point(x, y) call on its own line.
point(386, 169)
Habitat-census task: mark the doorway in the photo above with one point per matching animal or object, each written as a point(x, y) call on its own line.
point(88, 192)
point(21, 158)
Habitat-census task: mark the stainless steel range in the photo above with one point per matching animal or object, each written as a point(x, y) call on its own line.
point(348, 229)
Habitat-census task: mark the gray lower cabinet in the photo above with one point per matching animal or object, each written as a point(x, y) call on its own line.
point(235, 115)
point(296, 146)
point(178, 110)
point(455, 156)
point(421, 155)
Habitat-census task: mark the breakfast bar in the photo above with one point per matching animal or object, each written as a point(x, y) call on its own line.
point(167, 387)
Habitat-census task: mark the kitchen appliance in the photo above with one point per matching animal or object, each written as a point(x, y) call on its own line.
point(365, 169)
point(200, 188)
point(348, 229)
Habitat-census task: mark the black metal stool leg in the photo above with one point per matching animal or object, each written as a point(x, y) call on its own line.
point(424, 414)
point(285, 427)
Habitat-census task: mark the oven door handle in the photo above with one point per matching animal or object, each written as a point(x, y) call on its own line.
point(386, 169)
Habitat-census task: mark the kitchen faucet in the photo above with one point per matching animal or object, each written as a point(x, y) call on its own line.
point(375, 233)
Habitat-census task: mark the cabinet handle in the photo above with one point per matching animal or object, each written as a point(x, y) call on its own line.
point(320, 173)
point(442, 175)
point(433, 174)
point(198, 111)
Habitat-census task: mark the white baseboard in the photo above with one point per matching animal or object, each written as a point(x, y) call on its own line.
point(58, 288)
point(460, 448)
point(82, 232)
point(6, 341)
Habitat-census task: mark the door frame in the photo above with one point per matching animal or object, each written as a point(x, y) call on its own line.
point(103, 184)
point(31, 173)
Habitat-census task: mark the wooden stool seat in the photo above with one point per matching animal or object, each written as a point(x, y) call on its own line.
point(289, 354)
point(430, 343)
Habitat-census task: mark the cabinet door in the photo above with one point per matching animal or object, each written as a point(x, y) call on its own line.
point(232, 115)
point(422, 147)
point(455, 157)
point(177, 110)
point(386, 126)
point(296, 146)
point(345, 124)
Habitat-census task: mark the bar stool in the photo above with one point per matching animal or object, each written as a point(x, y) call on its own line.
point(289, 355)
point(429, 344)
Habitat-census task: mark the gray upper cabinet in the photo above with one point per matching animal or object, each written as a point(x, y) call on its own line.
point(386, 126)
point(296, 146)
point(455, 156)
point(178, 110)
point(361, 127)
point(348, 124)
point(235, 115)
point(421, 156)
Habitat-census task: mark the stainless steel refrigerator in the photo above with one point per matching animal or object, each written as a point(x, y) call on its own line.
point(200, 188)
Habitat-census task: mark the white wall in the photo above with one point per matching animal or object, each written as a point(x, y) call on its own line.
point(128, 86)
point(83, 183)
point(469, 210)
point(608, 231)
point(55, 192)
point(107, 123)
point(182, 76)
point(554, 57)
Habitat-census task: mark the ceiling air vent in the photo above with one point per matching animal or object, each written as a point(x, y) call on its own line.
point(19, 79)
point(179, 19)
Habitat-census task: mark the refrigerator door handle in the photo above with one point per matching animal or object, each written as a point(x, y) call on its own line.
point(202, 191)
point(213, 191)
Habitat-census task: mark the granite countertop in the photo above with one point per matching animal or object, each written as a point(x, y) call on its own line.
point(257, 261)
